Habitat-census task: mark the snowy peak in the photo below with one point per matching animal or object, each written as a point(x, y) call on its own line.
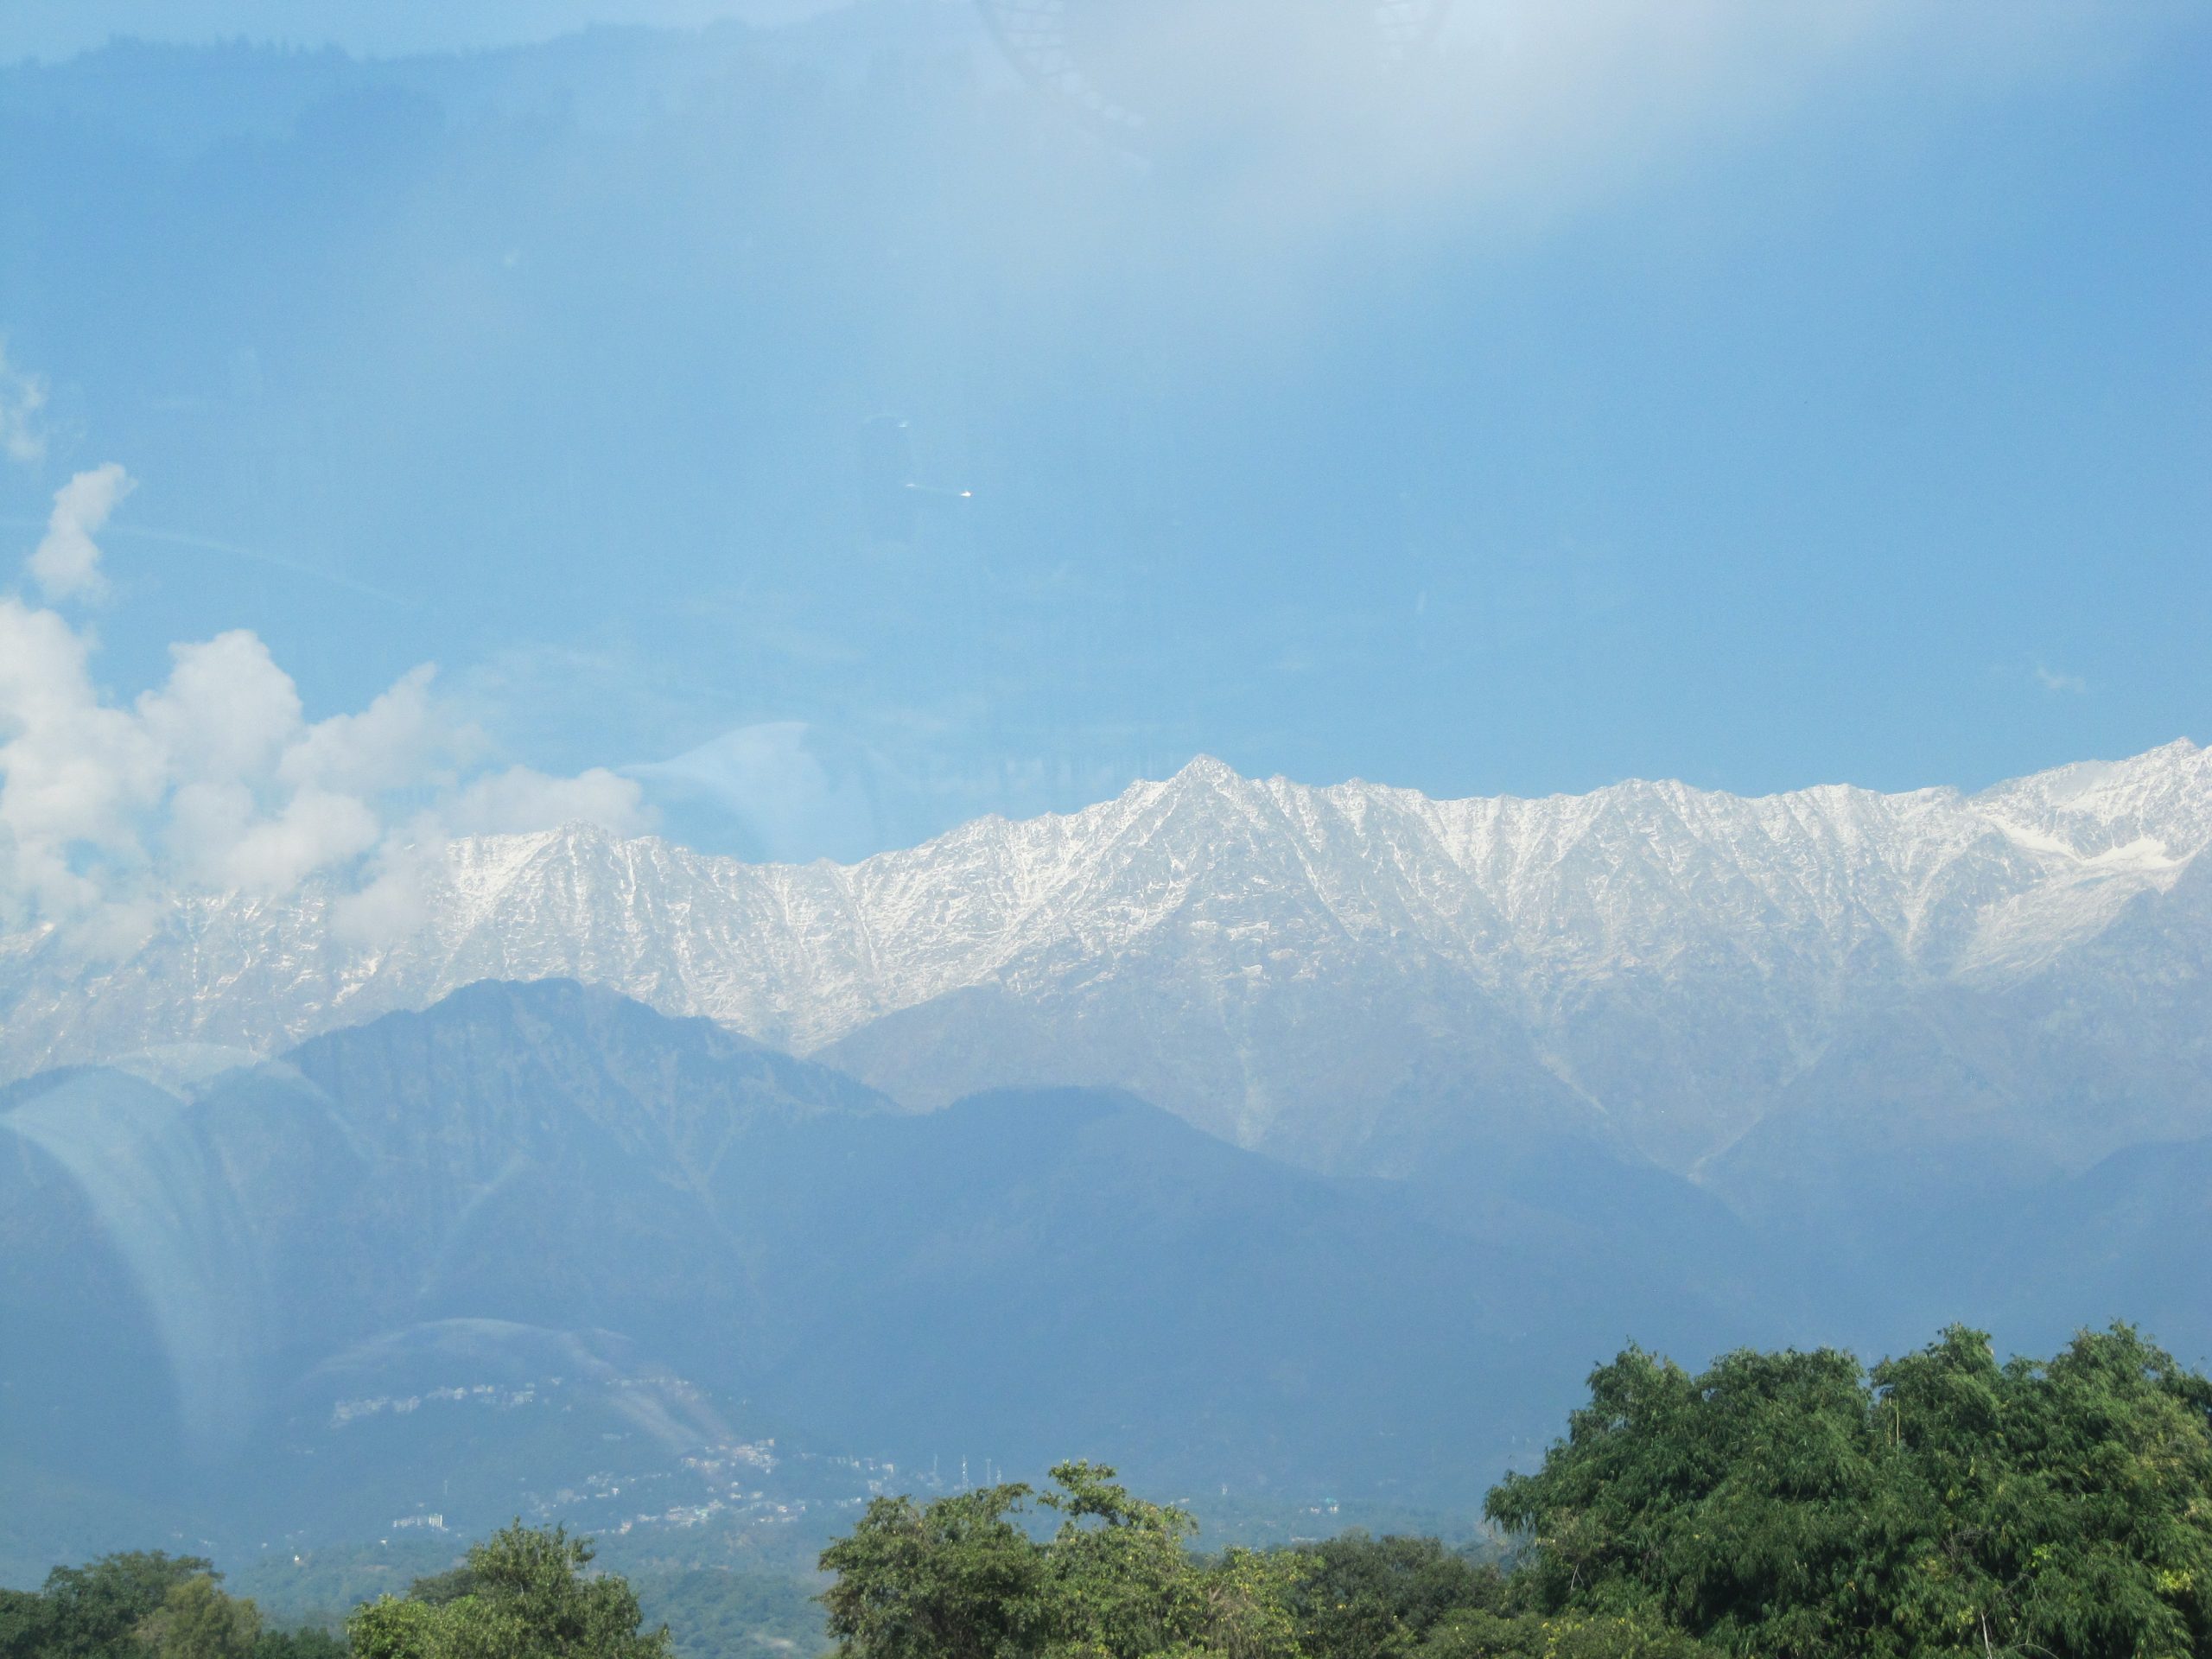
point(1282, 960)
point(2160, 800)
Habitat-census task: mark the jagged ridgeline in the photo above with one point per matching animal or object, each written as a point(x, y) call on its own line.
point(1359, 978)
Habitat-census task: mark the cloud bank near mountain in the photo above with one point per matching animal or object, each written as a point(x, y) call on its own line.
point(216, 780)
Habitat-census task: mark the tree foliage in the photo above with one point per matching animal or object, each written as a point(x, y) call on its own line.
point(196, 1620)
point(95, 1612)
point(961, 1578)
point(1782, 1505)
point(1388, 1598)
point(526, 1594)
point(1414, 1598)
point(1793, 1505)
point(146, 1604)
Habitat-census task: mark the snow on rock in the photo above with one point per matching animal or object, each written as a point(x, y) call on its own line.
point(1671, 956)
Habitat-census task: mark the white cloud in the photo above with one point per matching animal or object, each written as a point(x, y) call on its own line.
point(399, 739)
point(216, 782)
point(2051, 680)
point(227, 710)
point(518, 799)
point(75, 775)
point(23, 396)
point(222, 838)
point(67, 564)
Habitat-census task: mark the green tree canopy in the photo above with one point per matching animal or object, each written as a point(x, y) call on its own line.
point(1791, 1505)
point(527, 1595)
point(96, 1612)
point(961, 1578)
point(196, 1620)
point(1367, 1597)
point(308, 1642)
point(1415, 1598)
point(145, 1605)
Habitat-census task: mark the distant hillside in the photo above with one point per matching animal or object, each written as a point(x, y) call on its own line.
point(539, 1236)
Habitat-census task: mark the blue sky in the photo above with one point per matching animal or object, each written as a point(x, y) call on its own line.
point(1688, 389)
point(61, 28)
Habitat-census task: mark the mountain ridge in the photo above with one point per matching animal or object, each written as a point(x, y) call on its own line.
point(1649, 961)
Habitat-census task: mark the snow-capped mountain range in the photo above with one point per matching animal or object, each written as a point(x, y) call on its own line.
point(1358, 977)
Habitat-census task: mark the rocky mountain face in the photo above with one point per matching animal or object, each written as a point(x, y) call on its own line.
point(2007, 985)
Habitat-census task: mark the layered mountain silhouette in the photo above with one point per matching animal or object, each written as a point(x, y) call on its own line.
point(211, 1286)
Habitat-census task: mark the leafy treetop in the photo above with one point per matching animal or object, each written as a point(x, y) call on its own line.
point(526, 1594)
point(1793, 1506)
